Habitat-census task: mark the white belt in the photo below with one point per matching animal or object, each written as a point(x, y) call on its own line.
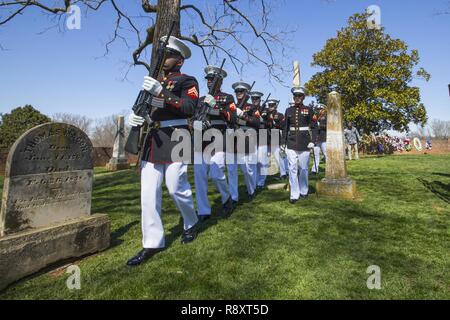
point(172, 123)
point(218, 122)
point(299, 129)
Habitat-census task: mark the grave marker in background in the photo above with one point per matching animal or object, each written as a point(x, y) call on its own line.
point(46, 205)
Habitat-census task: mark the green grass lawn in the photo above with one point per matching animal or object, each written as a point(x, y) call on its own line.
point(270, 249)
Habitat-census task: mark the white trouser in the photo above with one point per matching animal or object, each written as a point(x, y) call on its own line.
point(248, 168)
point(298, 172)
point(321, 146)
point(214, 169)
point(281, 162)
point(179, 189)
point(262, 166)
point(353, 147)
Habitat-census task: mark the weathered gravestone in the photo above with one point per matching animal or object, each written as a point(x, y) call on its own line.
point(336, 182)
point(119, 159)
point(46, 205)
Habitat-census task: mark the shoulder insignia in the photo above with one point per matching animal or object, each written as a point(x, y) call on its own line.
point(192, 92)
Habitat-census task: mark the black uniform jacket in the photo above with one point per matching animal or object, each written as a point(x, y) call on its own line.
point(251, 119)
point(179, 99)
point(297, 119)
point(321, 128)
point(221, 116)
point(278, 123)
point(266, 123)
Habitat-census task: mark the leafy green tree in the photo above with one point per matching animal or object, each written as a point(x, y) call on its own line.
point(373, 72)
point(14, 124)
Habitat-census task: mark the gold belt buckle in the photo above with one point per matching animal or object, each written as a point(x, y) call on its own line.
point(157, 125)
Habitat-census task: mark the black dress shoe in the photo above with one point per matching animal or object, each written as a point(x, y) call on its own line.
point(228, 207)
point(251, 196)
point(189, 235)
point(203, 218)
point(293, 201)
point(143, 255)
point(303, 197)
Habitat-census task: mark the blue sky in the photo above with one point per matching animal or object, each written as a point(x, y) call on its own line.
point(65, 71)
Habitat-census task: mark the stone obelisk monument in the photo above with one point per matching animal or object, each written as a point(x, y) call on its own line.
point(119, 159)
point(336, 182)
point(296, 80)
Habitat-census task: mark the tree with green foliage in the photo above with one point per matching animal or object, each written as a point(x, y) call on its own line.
point(373, 73)
point(14, 124)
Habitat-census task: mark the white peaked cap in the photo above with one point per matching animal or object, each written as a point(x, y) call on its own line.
point(296, 90)
point(211, 70)
point(178, 45)
point(256, 94)
point(273, 101)
point(241, 85)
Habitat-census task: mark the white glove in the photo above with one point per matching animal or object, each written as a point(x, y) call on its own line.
point(198, 125)
point(239, 112)
point(152, 85)
point(209, 99)
point(135, 121)
point(311, 145)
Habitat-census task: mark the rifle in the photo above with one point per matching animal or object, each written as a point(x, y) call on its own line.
point(202, 116)
point(264, 106)
point(143, 104)
point(244, 100)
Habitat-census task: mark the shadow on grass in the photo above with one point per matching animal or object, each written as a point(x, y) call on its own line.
point(175, 232)
point(438, 188)
point(116, 235)
point(120, 191)
point(447, 175)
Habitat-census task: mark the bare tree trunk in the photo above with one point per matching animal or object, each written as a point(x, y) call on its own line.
point(168, 11)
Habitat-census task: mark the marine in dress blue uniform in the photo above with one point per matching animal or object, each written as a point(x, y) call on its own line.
point(213, 166)
point(246, 119)
point(320, 144)
point(262, 166)
point(176, 95)
point(298, 124)
point(277, 126)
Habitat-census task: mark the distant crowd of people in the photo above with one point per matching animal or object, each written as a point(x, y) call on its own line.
point(377, 143)
point(386, 144)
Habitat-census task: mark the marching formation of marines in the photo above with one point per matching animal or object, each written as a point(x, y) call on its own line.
point(289, 137)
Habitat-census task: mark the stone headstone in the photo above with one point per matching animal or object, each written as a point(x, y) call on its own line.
point(46, 204)
point(119, 159)
point(273, 170)
point(336, 182)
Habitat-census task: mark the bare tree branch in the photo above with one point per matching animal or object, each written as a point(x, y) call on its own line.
point(148, 7)
point(218, 28)
point(15, 13)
